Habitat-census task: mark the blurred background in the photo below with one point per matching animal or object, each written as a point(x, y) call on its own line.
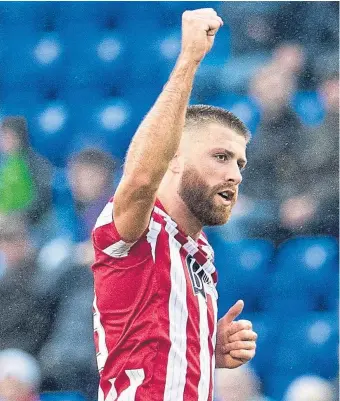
point(76, 78)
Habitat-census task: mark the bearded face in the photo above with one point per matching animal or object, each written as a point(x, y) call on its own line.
point(210, 205)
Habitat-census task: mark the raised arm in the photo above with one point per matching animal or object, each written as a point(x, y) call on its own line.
point(157, 138)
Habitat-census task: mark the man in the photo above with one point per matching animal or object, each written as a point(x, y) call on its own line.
point(155, 313)
point(25, 314)
point(25, 176)
point(90, 175)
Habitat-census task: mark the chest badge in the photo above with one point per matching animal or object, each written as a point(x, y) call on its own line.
point(197, 275)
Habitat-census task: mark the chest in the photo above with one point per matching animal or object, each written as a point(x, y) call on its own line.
point(190, 284)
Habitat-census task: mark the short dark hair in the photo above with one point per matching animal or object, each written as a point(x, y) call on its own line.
point(17, 124)
point(201, 113)
point(95, 157)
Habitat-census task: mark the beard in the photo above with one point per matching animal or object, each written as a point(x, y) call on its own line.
point(199, 198)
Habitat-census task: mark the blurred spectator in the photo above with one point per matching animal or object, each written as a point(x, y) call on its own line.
point(269, 152)
point(252, 25)
point(239, 384)
point(290, 185)
point(19, 376)
point(25, 177)
point(319, 26)
point(68, 357)
point(311, 206)
point(272, 87)
point(310, 388)
point(289, 58)
point(89, 186)
point(25, 316)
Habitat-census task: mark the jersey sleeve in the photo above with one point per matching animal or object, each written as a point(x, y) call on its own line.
point(105, 236)
point(111, 249)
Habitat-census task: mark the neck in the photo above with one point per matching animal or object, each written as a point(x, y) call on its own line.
point(176, 208)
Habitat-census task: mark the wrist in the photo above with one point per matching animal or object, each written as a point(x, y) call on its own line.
point(182, 76)
point(186, 59)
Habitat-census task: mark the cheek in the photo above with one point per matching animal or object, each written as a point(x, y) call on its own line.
point(214, 173)
point(209, 175)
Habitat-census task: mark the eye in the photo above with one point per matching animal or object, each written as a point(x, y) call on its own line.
point(222, 157)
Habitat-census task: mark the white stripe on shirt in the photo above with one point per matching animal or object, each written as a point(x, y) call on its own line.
point(178, 316)
point(112, 395)
point(213, 339)
point(136, 377)
point(106, 216)
point(102, 348)
point(205, 365)
point(152, 235)
point(119, 249)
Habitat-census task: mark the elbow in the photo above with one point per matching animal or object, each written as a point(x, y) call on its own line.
point(142, 186)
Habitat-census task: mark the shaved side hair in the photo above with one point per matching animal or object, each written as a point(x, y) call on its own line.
point(202, 114)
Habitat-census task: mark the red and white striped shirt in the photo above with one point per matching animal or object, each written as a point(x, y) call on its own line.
point(155, 312)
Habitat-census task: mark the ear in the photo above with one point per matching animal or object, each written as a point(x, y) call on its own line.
point(175, 165)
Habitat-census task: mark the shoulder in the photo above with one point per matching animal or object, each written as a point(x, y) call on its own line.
point(107, 240)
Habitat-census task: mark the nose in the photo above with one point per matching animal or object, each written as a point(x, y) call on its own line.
point(233, 174)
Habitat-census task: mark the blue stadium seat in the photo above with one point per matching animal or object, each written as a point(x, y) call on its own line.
point(50, 132)
point(309, 107)
point(304, 270)
point(28, 16)
point(2, 113)
point(275, 385)
point(242, 271)
point(62, 396)
point(21, 102)
point(142, 99)
point(153, 62)
point(99, 120)
point(268, 329)
point(332, 296)
point(100, 60)
point(304, 345)
point(111, 15)
point(33, 63)
point(2, 50)
point(163, 50)
point(308, 344)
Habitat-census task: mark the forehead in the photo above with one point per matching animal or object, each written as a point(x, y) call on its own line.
point(214, 135)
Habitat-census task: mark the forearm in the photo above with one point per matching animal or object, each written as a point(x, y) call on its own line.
point(157, 138)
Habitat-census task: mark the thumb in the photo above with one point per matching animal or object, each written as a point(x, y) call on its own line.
point(234, 311)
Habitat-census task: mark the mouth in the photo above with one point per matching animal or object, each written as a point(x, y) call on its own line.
point(227, 196)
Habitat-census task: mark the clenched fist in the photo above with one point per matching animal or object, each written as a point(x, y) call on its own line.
point(199, 28)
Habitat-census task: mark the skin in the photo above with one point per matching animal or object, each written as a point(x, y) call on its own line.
point(16, 250)
point(209, 160)
point(87, 181)
point(168, 160)
point(158, 137)
point(12, 389)
point(9, 141)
